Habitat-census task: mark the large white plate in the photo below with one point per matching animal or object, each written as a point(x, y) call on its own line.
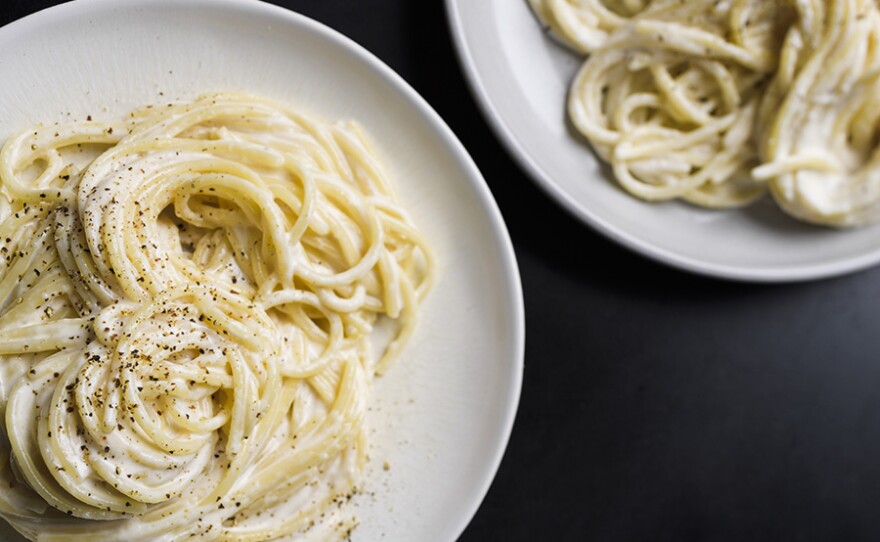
point(520, 77)
point(443, 414)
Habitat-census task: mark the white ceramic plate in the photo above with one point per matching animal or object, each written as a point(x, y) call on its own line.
point(521, 77)
point(443, 414)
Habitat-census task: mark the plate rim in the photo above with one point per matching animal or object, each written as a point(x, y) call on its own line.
point(511, 289)
point(517, 150)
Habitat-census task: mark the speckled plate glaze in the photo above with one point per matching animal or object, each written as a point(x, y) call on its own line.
point(442, 416)
point(520, 76)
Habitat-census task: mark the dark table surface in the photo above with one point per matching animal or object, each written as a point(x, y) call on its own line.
point(656, 405)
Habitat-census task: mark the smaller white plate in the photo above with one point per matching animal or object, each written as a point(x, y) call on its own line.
point(521, 76)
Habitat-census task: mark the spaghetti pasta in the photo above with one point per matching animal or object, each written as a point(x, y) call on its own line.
point(187, 306)
point(717, 102)
point(585, 25)
point(821, 115)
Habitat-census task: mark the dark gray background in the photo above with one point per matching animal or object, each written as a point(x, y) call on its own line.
point(656, 405)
